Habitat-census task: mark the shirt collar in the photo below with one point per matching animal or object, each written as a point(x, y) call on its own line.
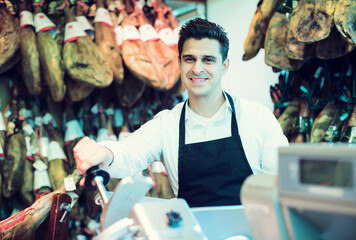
point(228, 109)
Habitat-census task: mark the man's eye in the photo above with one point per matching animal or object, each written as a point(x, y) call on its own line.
point(209, 60)
point(189, 59)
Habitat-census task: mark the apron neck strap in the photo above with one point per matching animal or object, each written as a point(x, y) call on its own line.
point(234, 127)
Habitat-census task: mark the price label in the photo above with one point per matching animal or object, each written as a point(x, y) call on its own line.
point(69, 184)
point(44, 142)
point(39, 165)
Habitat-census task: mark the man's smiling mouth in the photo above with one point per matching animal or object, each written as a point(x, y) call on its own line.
point(198, 80)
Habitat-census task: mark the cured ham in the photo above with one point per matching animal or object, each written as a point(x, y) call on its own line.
point(130, 91)
point(9, 39)
point(164, 59)
point(344, 18)
point(259, 24)
point(299, 50)
point(134, 52)
point(106, 40)
point(51, 62)
point(30, 61)
point(333, 47)
point(15, 150)
point(24, 223)
point(311, 20)
point(275, 42)
point(322, 122)
point(83, 59)
point(301, 132)
point(288, 117)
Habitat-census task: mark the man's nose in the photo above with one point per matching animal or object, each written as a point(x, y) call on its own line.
point(197, 67)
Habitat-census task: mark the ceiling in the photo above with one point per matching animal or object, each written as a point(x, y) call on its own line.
point(180, 3)
point(187, 9)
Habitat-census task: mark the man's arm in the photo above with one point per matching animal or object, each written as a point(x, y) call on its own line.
point(88, 153)
point(122, 158)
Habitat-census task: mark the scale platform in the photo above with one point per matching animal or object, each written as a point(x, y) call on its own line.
point(223, 222)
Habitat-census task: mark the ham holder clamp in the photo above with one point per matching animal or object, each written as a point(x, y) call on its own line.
point(55, 227)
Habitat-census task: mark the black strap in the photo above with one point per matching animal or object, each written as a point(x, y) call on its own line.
point(234, 127)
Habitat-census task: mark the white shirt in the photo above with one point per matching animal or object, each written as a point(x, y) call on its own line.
point(158, 139)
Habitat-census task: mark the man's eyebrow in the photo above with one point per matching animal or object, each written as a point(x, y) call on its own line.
point(187, 55)
point(204, 56)
point(209, 56)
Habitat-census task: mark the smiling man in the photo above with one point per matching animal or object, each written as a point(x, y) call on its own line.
point(209, 144)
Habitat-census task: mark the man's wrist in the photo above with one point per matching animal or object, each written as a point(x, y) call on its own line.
point(105, 164)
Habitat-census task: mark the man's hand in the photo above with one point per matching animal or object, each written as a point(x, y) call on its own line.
point(88, 153)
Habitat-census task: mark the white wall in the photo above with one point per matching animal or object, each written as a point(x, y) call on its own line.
point(250, 80)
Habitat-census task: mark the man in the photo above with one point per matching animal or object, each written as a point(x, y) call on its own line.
point(209, 144)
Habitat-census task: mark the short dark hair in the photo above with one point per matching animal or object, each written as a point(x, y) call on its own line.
point(199, 28)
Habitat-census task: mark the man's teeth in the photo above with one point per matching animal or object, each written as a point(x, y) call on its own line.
point(198, 79)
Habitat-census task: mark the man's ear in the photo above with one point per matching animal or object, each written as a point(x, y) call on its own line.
point(226, 65)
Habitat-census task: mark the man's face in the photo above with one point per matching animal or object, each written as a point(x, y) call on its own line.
point(201, 67)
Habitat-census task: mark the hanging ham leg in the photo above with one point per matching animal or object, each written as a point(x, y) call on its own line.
point(84, 61)
point(9, 38)
point(24, 223)
point(51, 63)
point(322, 122)
point(30, 61)
point(275, 54)
point(256, 35)
point(105, 39)
point(135, 55)
point(333, 47)
point(299, 50)
point(289, 117)
point(259, 24)
point(341, 15)
point(311, 20)
point(130, 91)
point(164, 59)
point(351, 22)
point(179, 87)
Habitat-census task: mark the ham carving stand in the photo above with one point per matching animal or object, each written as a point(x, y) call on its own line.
point(128, 214)
point(55, 226)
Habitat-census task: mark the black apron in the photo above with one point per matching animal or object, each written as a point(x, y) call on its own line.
point(211, 173)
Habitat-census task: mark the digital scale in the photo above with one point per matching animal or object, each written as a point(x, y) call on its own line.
point(313, 196)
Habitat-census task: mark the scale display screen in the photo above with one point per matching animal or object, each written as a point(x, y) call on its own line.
point(326, 173)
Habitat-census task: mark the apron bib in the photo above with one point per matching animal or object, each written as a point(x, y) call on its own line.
point(211, 173)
